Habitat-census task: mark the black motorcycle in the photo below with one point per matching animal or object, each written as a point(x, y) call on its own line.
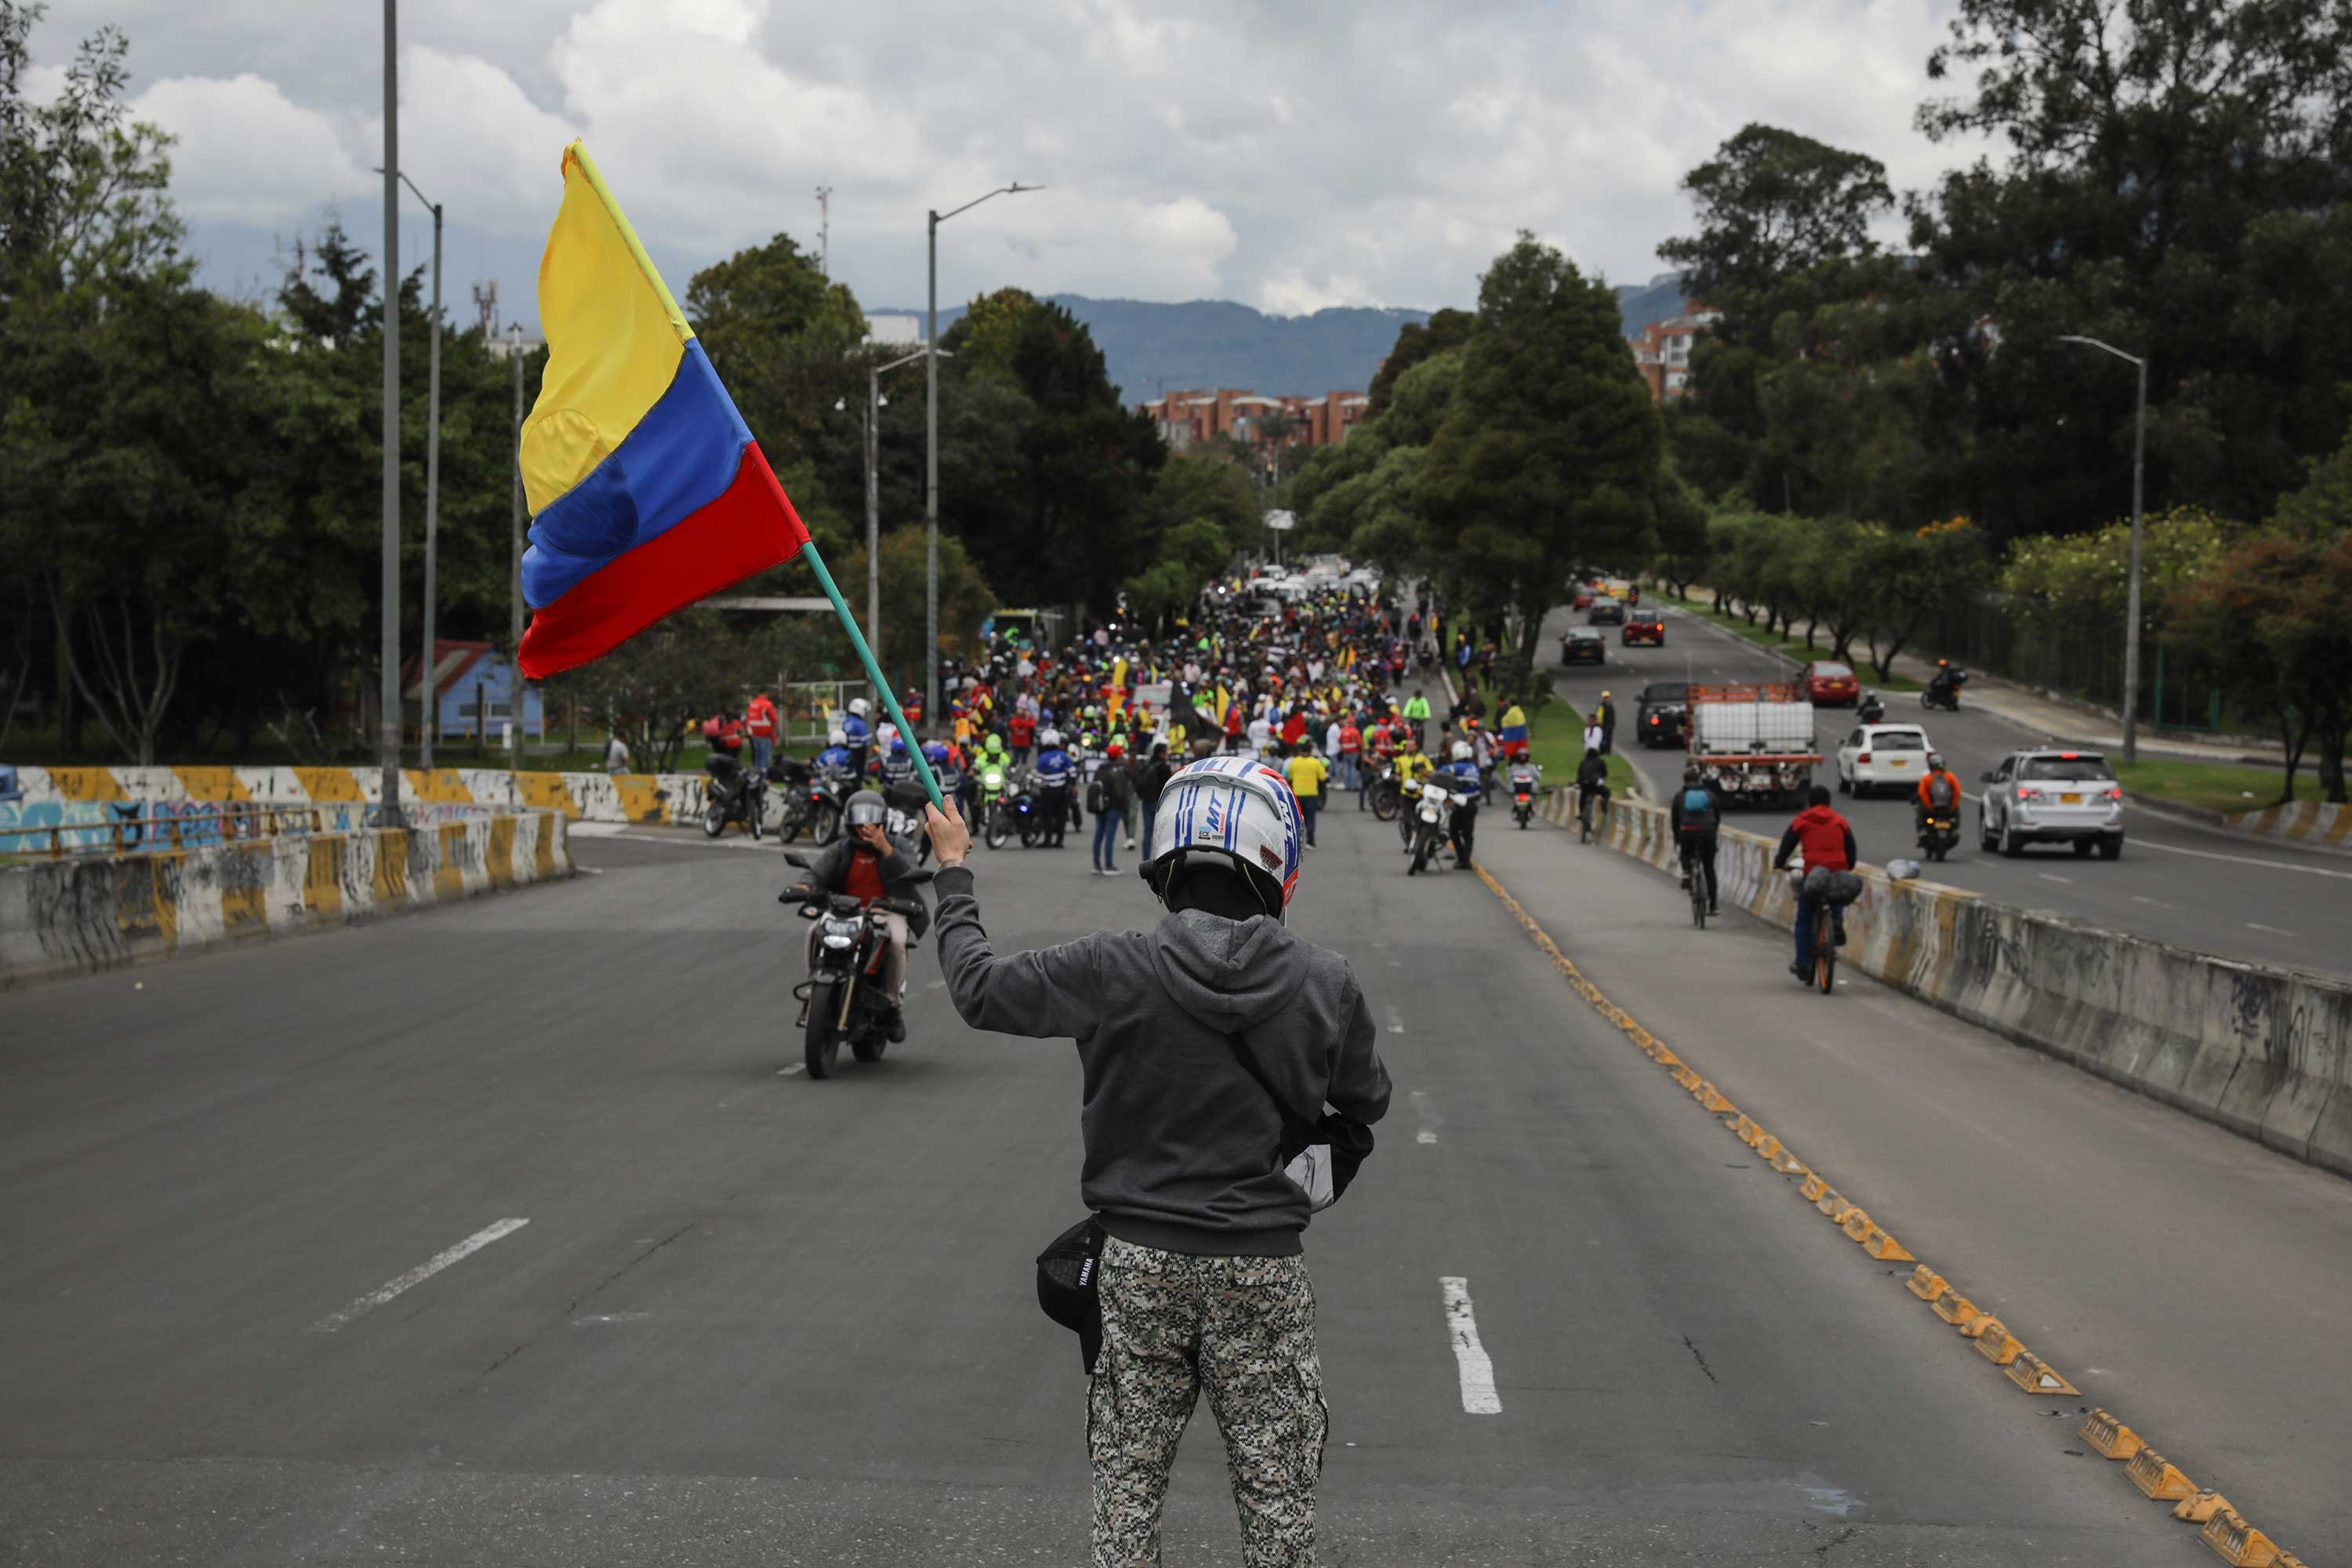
point(1944, 690)
point(735, 794)
point(813, 801)
point(843, 999)
point(1871, 709)
point(1939, 830)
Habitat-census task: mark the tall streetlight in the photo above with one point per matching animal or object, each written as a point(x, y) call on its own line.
point(388, 647)
point(872, 420)
point(931, 459)
point(425, 721)
point(2131, 609)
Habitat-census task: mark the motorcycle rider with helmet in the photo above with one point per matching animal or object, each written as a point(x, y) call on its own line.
point(1939, 791)
point(1694, 816)
point(857, 730)
point(867, 865)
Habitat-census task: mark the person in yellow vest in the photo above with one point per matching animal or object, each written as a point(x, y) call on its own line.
point(1306, 773)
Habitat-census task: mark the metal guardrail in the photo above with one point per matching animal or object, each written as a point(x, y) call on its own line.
point(125, 835)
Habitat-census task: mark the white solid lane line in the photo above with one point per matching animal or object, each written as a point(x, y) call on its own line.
point(418, 1275)
point(1477, 1372)
point(2257, 925)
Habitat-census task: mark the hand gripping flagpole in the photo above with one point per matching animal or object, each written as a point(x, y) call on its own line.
point(873, 673)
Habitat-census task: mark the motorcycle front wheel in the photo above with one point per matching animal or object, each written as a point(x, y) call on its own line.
point(820, 1044)
point(1384, 802)
point(714, 820)
point(1421, 852)
point(825, 824)
point(996, 832)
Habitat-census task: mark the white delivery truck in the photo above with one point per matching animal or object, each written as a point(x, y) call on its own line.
point(1753, 744)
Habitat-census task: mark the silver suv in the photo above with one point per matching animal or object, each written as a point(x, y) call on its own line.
point(2053, 796)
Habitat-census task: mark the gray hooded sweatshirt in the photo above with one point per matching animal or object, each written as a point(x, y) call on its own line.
point(1182, 1146)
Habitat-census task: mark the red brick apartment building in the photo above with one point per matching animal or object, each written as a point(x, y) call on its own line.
point(1662, 350)
point(1186, 418)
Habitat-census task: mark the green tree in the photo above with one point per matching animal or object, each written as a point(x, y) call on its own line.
point(783, 339)
point(1550, 453)
point(1772, 203)
point(1416, 341)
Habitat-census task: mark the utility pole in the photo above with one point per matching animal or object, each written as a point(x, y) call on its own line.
point(824, 233)
point(388, 645)
point(516, 691)
point(873, 508)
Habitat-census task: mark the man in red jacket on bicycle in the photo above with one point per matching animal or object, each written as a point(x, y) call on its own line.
point(1827, 840)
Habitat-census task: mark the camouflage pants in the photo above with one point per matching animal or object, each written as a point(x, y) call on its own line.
point(1243, 1328)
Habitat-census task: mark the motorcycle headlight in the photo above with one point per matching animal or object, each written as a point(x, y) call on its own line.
point(994, 779)
point(835, 940)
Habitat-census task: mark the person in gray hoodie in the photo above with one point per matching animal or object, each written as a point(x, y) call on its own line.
point(1203, 1283)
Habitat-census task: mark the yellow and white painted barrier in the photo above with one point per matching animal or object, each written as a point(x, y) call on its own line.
point(93, 912)
point(2264, 1052)
point(346, 795)
point(2299, 821)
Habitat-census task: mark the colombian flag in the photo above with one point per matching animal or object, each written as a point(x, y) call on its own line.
point(646, 490)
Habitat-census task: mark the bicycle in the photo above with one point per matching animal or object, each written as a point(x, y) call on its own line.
point(1695, 879)
point(1825, 947)
point(1585, 800)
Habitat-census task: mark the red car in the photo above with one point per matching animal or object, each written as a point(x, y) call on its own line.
point(1582, 600)
point(1826, 683)
point(1645, 626)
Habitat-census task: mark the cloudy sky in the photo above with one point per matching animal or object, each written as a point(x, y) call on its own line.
point(1287, 155)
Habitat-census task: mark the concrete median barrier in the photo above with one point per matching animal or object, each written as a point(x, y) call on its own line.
point(348, 798)
point(2266, 1053)
point(88, 912)
point(2299, 822)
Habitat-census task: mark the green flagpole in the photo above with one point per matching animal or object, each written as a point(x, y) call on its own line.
point(873, 673)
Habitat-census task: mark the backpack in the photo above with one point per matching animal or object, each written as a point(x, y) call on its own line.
point(1095, 801)
point(1942, 791)
point(1699, 811)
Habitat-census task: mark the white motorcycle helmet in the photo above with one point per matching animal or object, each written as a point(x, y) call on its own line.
point(1048, 739)
point(1462, 752)
point(860, 708)
point(1234, 807)
point(837, 736)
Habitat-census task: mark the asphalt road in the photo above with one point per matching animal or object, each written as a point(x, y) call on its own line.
point(750, 1318)
point(2176, 882)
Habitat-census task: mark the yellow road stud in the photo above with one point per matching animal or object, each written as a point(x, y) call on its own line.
point(2109, 1438)
point(1981, 1325)
point(2238, 1542)
point(1835, 1205)
point(1956, 1310)
point(1997, 1344)
point(1884, 1248)
point(1856, 1225)
point(1814, 1186)
point(2199, 1506)
point(2035, 1376)
point(1784, 1160)
point(2157, 1478)
point(1713, 1101)
point(1927, 1284)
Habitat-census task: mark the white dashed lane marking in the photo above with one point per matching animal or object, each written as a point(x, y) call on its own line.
point(1470, 1359)
point(418, 1275)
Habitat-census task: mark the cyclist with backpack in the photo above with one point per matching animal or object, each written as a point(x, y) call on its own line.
point(1695, 815)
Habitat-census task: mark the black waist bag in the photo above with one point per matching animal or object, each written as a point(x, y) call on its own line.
point(1068, 1287)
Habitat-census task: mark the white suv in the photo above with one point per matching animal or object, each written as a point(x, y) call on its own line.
point(2061, 797)
point(1883, 756)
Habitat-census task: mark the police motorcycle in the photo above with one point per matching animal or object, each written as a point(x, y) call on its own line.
point(1527, 784)
point(997, 788)
point(1431, 821)
point(842, 1001)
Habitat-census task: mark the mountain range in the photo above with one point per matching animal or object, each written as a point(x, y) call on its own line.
point(1154, 348)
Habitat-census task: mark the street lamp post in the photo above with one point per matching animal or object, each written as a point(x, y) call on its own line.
point(425, 716)
point(875, 403)
point(932, 456)
point(2131, 592)
point(388, 644)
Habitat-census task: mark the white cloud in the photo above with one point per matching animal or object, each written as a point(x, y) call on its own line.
point(246, 152)
point(1292, 157)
